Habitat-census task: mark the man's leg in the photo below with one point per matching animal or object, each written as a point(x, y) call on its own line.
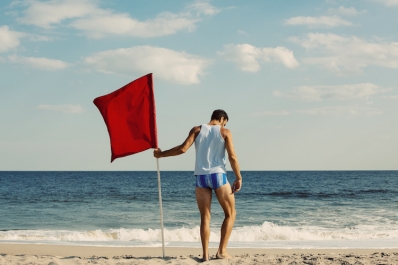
point(203, 198)
point(227, 202)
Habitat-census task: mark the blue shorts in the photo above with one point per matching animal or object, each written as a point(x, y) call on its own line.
point(213, 181)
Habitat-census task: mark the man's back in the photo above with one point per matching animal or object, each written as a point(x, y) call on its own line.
point(210, 151)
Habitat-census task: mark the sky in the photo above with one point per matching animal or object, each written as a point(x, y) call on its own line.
point(307, 85)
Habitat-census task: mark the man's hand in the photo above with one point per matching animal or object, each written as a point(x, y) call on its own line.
point(157, 153)
point(237, 185)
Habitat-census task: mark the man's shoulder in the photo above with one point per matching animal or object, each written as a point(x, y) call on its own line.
point(196, 129)
point(225, 132)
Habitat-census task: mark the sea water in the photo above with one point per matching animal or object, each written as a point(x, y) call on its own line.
point(295, 209)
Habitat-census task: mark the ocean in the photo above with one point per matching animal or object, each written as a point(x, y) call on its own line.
point(275, 209)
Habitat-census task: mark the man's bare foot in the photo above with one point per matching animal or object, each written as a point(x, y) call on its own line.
point(205, 259)
point(223, 256)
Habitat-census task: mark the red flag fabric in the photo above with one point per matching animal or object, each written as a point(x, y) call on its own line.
point(130, 117)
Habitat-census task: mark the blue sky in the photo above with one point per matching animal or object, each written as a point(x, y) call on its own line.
point(308, 85)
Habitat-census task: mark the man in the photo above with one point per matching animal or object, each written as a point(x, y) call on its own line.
point(211, 140)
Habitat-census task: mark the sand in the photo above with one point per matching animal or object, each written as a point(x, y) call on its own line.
point(60, 255)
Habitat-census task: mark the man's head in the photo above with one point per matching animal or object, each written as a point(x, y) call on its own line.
point(220, 115)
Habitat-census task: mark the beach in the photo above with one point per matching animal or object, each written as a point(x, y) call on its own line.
point(58, 255)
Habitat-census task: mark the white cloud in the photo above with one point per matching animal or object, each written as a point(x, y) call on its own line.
point(340, 92)
point(348, 55)
point(395, 97)
point(202, 7)
point(273, 113)
point(34, 37)
point(345, 11)
point(121, 24)
point(174, 66)
point(45, 14)
point(248, 57)
point(70, 108)
point(9, 39)
point(38, 63)
point(388, 2)
point(315, 40)
point(85, 15)
point(341, 110)
point(322, 21)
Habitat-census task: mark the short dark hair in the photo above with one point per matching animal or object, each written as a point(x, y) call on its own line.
point(218, 114)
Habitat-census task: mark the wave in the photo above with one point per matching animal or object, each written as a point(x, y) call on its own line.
point(270, 232)
point(262, 233)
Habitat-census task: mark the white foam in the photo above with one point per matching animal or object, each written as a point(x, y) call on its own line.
point(270, 232)
point(264, 233)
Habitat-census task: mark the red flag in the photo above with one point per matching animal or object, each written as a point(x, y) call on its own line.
point(130, 116)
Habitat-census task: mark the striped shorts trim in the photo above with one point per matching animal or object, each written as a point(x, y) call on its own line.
point(213, 181)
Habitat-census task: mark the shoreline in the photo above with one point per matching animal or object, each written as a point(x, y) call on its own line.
point(63, 254)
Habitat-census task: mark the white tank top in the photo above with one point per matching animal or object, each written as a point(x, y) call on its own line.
point(210, 151)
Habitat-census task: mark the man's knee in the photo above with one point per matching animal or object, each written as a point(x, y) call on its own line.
point(205, 217)
point(231, 214)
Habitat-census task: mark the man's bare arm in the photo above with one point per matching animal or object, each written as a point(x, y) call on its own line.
point(233, 160)
point(179, 149)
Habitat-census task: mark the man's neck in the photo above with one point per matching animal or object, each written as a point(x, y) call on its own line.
point(214, 122)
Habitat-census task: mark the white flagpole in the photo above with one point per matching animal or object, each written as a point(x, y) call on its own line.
point(160, 203)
